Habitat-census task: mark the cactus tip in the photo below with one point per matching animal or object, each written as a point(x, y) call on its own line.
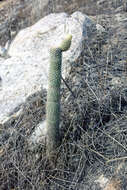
point(65, 45)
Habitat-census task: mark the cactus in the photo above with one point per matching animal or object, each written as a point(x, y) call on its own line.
point(53, 95)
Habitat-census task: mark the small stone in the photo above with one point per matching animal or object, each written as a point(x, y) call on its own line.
point(3, 51)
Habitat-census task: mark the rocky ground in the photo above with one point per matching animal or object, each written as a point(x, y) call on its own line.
point(94, 151)
point(17, 14)
point(7, 22)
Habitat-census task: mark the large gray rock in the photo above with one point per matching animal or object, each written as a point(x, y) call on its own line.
point(26, 71)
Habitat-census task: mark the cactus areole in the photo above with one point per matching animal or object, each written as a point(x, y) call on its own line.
point(53, 95)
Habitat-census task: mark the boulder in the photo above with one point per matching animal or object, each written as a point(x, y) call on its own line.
point(25, 73)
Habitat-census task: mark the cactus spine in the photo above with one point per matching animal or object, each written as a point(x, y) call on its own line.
point(53, 95)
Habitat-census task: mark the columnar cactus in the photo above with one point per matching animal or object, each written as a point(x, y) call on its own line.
point(53, 95)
